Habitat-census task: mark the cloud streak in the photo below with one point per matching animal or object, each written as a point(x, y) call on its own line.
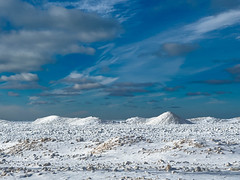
point(212, 23)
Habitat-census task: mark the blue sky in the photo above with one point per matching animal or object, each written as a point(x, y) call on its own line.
point(119, 58)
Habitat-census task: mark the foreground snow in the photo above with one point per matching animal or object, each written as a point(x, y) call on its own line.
point(73, 148)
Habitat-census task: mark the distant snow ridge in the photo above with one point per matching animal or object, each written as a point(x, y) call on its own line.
point(72, 121)
point(135, 120)
point(167, 118)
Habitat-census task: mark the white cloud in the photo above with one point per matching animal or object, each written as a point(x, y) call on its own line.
point(20, 77)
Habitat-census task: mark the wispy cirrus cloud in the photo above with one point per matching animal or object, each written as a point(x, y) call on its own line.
point(119, 9)
point(147, 56)
point(212, 23)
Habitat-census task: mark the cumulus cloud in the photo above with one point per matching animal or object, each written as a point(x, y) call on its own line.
point(39, 34)
point(75, 77)
point(75, 83)
point(20, 77)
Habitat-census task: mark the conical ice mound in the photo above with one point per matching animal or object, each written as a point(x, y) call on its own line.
point(167, 118)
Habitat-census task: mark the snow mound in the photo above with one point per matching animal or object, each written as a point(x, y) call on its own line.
point(205, 120)
point(135, 120)
point(49, 120)
point(84, 121)
point(64, 120)
point(3, 122)
point(234, 120)
point(167, 118)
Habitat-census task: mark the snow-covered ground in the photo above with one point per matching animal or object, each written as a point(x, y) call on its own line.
point(163, 147)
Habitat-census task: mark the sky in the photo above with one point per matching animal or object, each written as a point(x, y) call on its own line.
point(116, 59)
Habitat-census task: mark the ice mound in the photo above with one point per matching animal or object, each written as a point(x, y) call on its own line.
point(135, 120)
point(166, 118)
point(64, 120)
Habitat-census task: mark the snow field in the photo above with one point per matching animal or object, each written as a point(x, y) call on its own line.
point(56, 148)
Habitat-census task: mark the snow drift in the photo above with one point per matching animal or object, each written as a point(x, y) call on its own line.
point(167, 118)
point(65, 120)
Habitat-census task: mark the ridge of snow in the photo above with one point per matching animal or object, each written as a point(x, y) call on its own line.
point(167, 118)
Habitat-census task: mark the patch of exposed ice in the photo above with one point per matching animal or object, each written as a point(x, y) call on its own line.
point(167, 118)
